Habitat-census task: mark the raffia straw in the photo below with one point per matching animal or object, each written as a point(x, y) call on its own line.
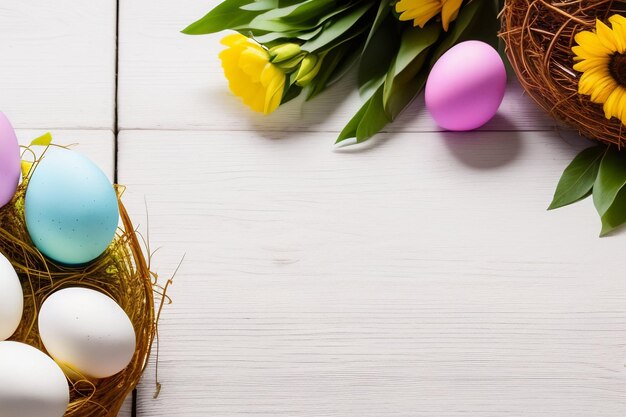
point(122, 273)
point(539, 35)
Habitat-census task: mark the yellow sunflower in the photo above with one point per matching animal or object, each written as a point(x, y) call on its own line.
point(421, 11)
point(601, 57)
point(251, 76)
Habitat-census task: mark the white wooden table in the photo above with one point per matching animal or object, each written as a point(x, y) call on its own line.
point(419, 275)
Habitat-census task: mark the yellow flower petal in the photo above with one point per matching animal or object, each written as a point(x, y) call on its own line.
point(588, 64)
point(619, 28)
point(591, 44)
point(422, 11)
point(250, 74)
point(449, 12)
point(603, 89)
point(605, 35)
point(233, 39)
point(274, 94)
point(613, 103)
point(594, 54)
point(252, 63)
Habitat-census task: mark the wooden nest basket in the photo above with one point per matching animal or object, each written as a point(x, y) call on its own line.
point(539, 36)
point(122, 273)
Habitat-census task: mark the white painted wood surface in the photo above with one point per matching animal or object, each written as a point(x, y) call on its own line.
point(422, 276)
point(58, 63)
point(98, 145)
point(418, 275)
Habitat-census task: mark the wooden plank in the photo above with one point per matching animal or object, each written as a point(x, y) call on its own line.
point(173, 81)
point(420, 278)
point(58, 63)
point(98, 145)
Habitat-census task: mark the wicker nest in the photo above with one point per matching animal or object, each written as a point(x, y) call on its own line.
point(539, 36)
point(121, 272)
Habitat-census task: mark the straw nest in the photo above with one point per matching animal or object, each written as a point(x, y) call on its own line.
point(539, 36)
point(122, 272)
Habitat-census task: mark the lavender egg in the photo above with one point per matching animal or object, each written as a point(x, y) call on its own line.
point(9, 161)
point(466, 86)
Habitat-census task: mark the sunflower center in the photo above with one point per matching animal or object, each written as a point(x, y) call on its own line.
point(617, 67)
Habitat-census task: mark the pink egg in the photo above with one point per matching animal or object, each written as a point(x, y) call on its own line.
point(466, 86)
point(9, 161)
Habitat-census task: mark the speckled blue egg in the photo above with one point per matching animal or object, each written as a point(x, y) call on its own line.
point(70, 207)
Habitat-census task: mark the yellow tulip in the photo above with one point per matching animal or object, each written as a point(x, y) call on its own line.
point(251, 76)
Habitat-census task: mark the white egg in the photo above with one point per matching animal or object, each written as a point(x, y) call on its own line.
point(31, 384)
point(11, 299)
point(86, 332)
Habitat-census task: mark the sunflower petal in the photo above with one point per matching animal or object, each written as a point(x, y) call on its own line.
point(449, 12)
point(590, 43)
point(606, 36)
point(613, 102)
point(420, 11)
point(588, 64)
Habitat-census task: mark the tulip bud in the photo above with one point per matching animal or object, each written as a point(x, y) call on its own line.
point(309, 67)
point(290, 65)
point(284, 52)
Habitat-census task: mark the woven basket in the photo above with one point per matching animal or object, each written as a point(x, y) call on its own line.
point(121, 272)
point(539, 36)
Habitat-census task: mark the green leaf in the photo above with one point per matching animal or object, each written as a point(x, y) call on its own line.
point(43, 140)
point(274, 20)
point(374, 118)
point(285, 36)
point(263, 5)
point(337, 27)
point(349, 131)
point(577, 180)
point(378, 56)
point(332, 61)
point(615, 216)
point(469, 26)
point(291, 92)
point(270, 21)
point(414, 41)
point(409, 61)
point(610, 180)
point(368, 121)
point(260, 5)
point(227, 15)
point(309, 10)
point(381, 16)
point(404, 93)
point(351, 57)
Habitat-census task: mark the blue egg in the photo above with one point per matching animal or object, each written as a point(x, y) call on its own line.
point(70, 207)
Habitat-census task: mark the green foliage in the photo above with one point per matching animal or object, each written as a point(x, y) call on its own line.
point(227, 15)
point(599, 171)
point(394, 57)
point(413, 52)
point(577, 180)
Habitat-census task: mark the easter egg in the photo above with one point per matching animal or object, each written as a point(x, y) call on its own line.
point(70, 208)
point(31, 384)
point(86, 332)
point(466, 86)
point(11, 299)
point(9, 161)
